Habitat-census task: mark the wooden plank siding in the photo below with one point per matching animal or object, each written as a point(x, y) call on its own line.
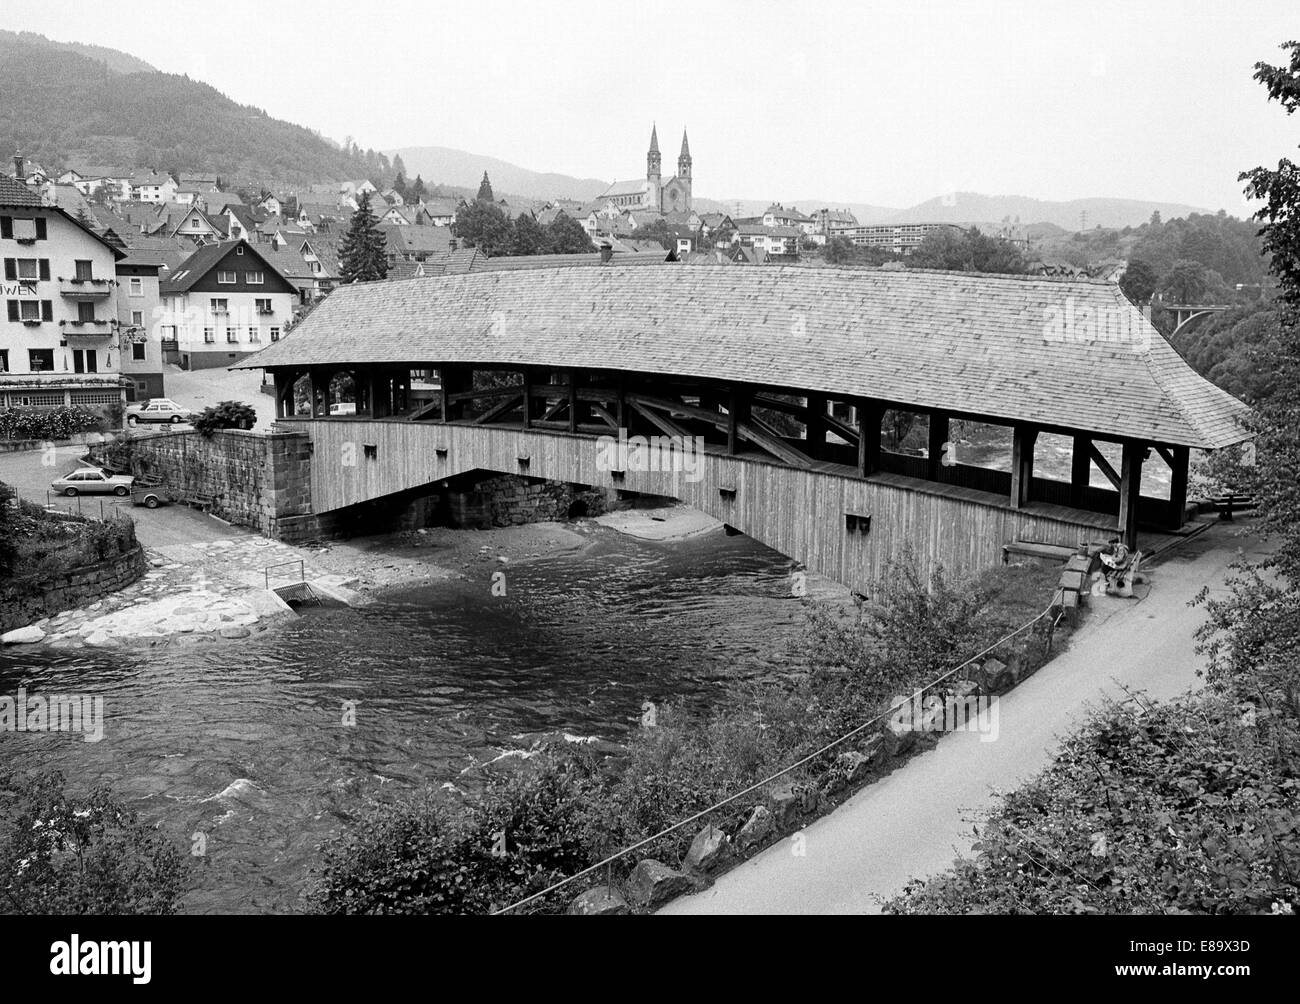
point(799, 512)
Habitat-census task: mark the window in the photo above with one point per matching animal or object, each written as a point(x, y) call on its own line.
point(28, 268)
point(40, 360)
point(137, 351)
point(28, 310)
point(195, 224)
point(254, 334)
point(209, 334)
point(85, 312)
point(25, 230)
point(254, 278)
point(219, 306)
point(263, 305)
point(169, 332)
point(136, 287)
point(232, 335)
point(239, 250)
point(137, 318)
point(85, 271)
point(275, 334)
point(84, 361)
point(4, 360)
point(227, 277)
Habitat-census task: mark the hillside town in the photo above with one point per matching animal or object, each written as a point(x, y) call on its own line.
point(473, 538)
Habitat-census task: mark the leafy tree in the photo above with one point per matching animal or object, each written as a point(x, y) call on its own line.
point(969, 251)
point(1191, 282)
point(485, 190)
point(1251, 638)
point(363, 249)
point(528, 236)
point(225, 415)
point(565, 235)
point(483, 225)
point(1138, 281)
point(60, 854)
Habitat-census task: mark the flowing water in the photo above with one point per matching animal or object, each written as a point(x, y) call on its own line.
point(245, 745)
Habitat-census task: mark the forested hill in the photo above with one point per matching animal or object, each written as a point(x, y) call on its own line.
point(59, 105)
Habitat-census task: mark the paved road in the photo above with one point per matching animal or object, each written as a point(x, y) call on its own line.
point(30, 473)
point(915, 821)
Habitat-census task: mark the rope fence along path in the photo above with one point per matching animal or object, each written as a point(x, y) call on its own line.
point(871, 722)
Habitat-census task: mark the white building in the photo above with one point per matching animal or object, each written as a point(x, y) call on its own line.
point(59, 331)
point(225, 301)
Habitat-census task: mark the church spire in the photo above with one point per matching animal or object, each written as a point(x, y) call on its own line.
point(686, 147)
point(684, 161)
point(652, 159)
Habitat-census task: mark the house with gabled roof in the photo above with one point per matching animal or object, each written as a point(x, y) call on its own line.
point(226, 300)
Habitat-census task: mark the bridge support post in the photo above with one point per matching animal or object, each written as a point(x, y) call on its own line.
point(870, 414)
point(1080, 470)
point(738, 404)
point(320, 393)
point(1130, 490)
point(455, 380)
point(815, 427)
point(1023, 438)
point(528, 398)
point(1181, 457)
point(939, 427)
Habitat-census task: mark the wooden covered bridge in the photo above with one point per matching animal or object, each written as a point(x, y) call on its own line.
point(834, 407)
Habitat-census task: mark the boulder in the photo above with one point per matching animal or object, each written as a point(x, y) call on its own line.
point(22, 636)
point(234, 631)
point(853, 766)
point(786, 803)
point(652, 883)
point(602, 901)
point(994, 675)
point(709, 848)
point(756, 828)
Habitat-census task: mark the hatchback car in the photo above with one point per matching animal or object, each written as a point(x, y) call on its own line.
point(158, 409)
point(92, 481)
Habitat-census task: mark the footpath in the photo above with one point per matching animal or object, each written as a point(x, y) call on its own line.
point(915, 821)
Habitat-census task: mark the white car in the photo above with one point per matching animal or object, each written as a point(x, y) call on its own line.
point(158, 409)
point(92, 481)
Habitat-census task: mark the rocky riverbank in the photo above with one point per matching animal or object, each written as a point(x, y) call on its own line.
point(223, 590)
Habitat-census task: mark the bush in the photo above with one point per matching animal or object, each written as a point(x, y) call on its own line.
point(49, 423)
point(1189, 808)
point(566, 811)
point(226, 415)
point(65, 855)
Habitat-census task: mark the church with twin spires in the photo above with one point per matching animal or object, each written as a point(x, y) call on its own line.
point(654, 194)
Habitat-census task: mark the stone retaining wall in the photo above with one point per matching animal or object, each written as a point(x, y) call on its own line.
point(25, 601)
point(257, 479)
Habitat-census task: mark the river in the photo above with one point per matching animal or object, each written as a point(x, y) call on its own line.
point(443, 677)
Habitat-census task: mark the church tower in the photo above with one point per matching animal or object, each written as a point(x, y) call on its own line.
point(684, 168)
point(653, 172)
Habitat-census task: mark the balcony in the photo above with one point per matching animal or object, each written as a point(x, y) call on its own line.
point(99, 327)
point(86, 289)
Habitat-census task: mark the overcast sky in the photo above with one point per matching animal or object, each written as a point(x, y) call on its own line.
point(884, 103)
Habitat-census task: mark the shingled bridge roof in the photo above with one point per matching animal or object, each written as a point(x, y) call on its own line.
point(1070, 354)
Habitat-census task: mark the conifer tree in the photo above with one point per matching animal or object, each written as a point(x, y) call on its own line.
point(363, 249)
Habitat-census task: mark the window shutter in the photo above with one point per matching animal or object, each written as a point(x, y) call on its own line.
point(45, 270)
point(13, 310)
point(7, 227)
point(47, 310)
point(40, 228)
point(11, 268)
